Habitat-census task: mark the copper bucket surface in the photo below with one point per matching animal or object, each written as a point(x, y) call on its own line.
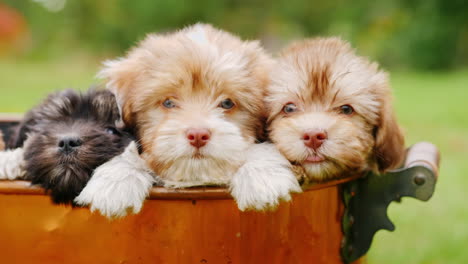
point(201, 225)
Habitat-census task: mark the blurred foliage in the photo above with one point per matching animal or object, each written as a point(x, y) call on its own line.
point(421, 34)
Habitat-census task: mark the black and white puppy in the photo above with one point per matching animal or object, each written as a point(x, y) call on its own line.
point(65, 138)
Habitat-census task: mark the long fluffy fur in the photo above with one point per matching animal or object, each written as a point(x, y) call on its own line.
point(118, 186)
point(197, 68)
point(12, 165)
point(90, 119)
point(11, 162)
point(264, 179)
point(319, 76)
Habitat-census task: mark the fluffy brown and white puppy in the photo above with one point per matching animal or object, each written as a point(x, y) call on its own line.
point(195, 100)
point(331, 111)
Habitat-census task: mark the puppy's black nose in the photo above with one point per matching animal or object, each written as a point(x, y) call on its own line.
point(69, 144)
point(314, 138)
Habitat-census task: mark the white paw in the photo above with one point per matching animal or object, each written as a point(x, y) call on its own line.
point(264, 180)
point(12, 164)
point(118, 186)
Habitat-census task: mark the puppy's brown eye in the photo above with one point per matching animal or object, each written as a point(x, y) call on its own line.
point(226, 104)
point(346, 109)
point(289, 108)
point(168, 103)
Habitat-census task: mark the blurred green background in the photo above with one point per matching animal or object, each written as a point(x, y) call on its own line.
point(47, 45)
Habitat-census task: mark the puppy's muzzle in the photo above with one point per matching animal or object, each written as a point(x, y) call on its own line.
point(314, 138)
point(69, 144)
point(198, 137)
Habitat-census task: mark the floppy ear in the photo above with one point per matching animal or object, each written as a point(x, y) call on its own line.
point(120, 76)
point(261, 64)
point(105, 105)
point(389, 149)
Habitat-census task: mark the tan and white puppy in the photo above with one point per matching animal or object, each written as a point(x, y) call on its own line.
point(330, 111)
point(195, 100)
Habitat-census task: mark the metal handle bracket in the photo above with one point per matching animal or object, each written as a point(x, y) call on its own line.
point(367, 199)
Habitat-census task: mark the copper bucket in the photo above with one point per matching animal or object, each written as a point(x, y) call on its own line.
point(200, 225)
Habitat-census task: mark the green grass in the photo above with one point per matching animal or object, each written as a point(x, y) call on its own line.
point(25, 83)
point(430, 106)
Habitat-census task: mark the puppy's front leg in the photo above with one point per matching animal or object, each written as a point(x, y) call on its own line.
point(12, 164)
point(264, 180)
point(119, 185)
